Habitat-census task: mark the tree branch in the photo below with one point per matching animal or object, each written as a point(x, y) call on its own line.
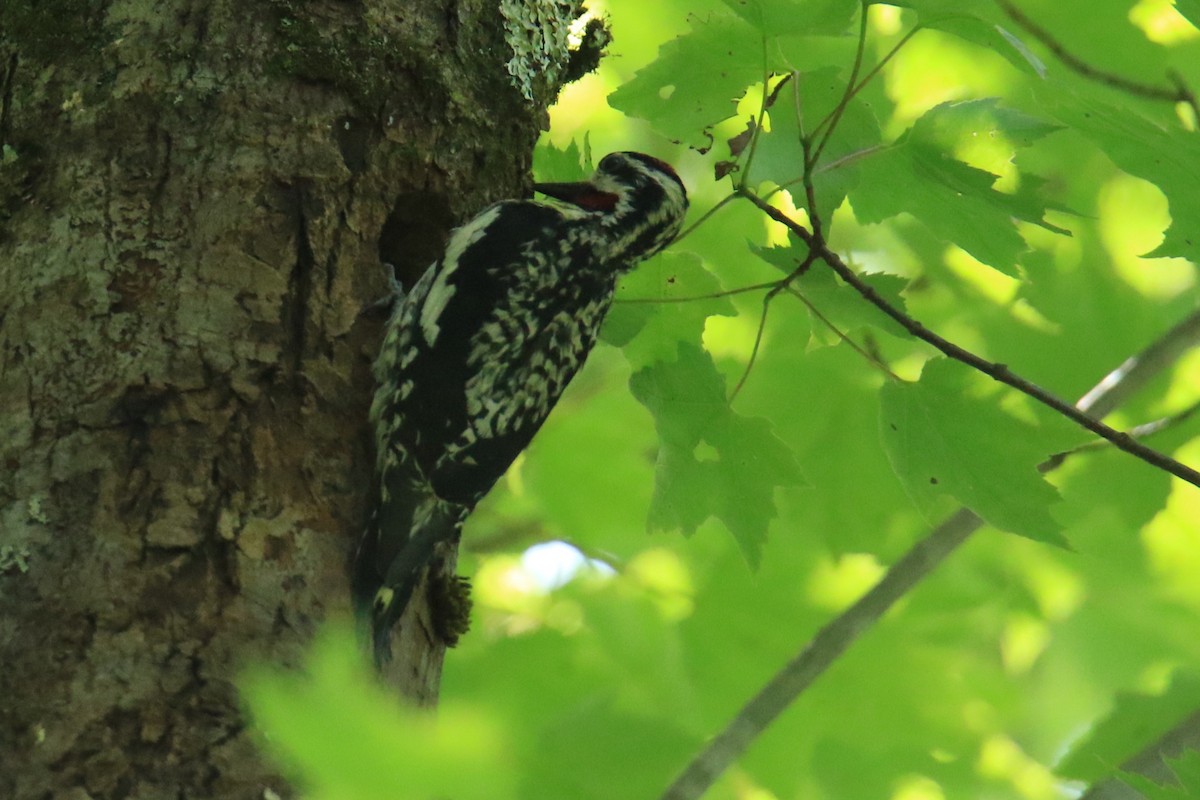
point(1150, 762)
point(1119, 384)
point(998, 372)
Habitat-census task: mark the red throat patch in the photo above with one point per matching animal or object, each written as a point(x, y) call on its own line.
point(582, 194)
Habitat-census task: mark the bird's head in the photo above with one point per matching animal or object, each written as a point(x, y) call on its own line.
point(639, 201)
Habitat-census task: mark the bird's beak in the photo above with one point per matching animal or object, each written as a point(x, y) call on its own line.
point(582, 194)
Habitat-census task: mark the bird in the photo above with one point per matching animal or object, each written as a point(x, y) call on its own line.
point(475, 356)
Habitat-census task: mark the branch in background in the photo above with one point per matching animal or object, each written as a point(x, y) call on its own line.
point(1180, 93)
point(998, 372)
point(1151, 763)
point(837, 635)
point(1119, 384)
point(1143, 431)
point(824, 648)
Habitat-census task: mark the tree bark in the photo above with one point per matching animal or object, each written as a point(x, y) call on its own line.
point(195, 198)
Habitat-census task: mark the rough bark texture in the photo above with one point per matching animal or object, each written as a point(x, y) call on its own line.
point(195, 198)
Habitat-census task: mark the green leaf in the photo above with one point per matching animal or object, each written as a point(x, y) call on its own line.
point(1136, 721)
point(807, 53)
point(653, 311)
point(570, 163)
point(987, 34)
point(954, 200)
point(1170, 159)
point(606, 747)
point(1190, 10)
point(588, 478)
point(342, 735)
point(950, 124)
point(712, 462)
point(781, 17)
point(847, 309)
point(947, 196)
point(943, 437)
point(779, 157)
point(836, 302)
point(695, 81)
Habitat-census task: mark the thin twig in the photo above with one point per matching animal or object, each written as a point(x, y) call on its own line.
point(883, 62)
point(1186, 93)
point(816, 657)
point(758, 336)
point(754, 287)
point(1155, 427)
point(1143, 431)
point(998, 372)
point(835, 116)
point(870, 358)
point(762, 322)
point(762, 112)
point(852, 91)
point(703, 218)
point(810, 195)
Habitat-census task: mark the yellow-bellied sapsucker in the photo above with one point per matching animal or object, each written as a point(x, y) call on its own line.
point(479, 351)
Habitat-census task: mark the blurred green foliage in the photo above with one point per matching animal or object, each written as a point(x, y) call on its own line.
point(1037, 216)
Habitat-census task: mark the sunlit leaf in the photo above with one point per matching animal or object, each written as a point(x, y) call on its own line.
point(695, 81)
point(570, 163)
point(1170, 159)
point(957, 202)
point(950, 124)
point(1190, 9)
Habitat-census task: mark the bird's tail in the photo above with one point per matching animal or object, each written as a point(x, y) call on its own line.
point(389, 565)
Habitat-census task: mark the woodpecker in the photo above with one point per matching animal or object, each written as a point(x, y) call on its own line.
point(478, 352)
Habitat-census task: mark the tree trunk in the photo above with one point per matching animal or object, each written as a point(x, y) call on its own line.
point(195, 198)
